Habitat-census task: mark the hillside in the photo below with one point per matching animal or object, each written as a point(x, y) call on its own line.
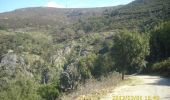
point(44, 17)
point(139, 14)
point(47, 53)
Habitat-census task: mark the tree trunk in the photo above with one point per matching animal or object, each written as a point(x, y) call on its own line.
point(123, 74)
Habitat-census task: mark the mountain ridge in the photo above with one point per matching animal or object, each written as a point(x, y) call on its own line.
point(48, 18)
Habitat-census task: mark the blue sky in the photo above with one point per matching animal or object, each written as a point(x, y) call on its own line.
point(8, 5)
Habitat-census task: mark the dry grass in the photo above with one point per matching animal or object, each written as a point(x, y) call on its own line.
point(94, 89)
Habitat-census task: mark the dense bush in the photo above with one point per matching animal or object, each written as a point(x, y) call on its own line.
point(49, 91)
point(20, 88)
point(162, 67)
point(69, 78)
point(86, 65)
point(103, 65)
point(51, 63)
point(160, 42)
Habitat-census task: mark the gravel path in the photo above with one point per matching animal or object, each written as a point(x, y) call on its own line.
point(148, 88)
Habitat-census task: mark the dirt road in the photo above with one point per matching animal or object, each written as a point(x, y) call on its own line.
point(148, 88)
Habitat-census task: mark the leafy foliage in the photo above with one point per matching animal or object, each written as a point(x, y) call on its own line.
point(130, 49)
point(86, 65)
point(20, 88)
point(69, 49)
point(160, 42)
point(162, 67)
point(103, 65)
point(48, 92)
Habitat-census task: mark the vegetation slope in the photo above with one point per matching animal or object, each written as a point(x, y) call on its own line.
point(45, 52)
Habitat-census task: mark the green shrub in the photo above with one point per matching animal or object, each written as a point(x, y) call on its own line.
point(49, 91)
point(162, 67)
point(21, 88)
point(104, 65)
point(160, 42)
point(86, 65)
point(3, 28)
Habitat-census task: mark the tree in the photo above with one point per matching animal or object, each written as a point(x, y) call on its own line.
point(129, 50)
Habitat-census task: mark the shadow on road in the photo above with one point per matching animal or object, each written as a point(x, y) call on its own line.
point(161, 81)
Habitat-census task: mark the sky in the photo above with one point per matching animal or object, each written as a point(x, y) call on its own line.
point(9, 5)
